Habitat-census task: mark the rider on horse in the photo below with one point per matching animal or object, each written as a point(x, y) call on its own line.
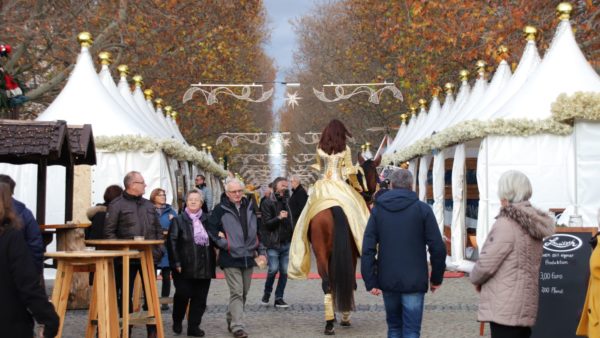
point(334, 162)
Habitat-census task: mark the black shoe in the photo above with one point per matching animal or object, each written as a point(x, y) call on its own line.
point(195, 332)
point(240, 334)
point(265, 299)
point(280, 304)
point(177, 328)
point(164, 307)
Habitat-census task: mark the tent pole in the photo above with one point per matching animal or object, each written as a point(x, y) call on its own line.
point(575, 168)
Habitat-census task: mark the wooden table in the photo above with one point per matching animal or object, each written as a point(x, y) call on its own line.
point(70, 237)
point(148, 278)
point(103, 304)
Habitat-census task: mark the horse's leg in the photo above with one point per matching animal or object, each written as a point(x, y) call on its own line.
point(320, 233)
point(345, 322)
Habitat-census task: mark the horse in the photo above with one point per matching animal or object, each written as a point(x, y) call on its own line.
point(368, 178)
point(336, 254)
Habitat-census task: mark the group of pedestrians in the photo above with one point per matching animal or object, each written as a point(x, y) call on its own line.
point(394, 262)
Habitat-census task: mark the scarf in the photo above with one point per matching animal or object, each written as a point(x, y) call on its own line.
point(200, 235)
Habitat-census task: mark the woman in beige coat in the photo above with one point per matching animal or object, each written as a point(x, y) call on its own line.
point(507, 271)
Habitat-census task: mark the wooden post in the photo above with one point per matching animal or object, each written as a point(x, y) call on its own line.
point(40, 208)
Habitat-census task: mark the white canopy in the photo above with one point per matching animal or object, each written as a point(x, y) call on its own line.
point(84, 100)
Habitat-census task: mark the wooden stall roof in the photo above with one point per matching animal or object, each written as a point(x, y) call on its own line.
point(24, 142)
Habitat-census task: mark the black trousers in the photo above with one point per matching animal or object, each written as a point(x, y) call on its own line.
point(165, 273)
point(134, 268)
point(193, 292)
point(503, 331)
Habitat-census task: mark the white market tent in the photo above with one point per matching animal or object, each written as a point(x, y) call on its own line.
point(559, 181)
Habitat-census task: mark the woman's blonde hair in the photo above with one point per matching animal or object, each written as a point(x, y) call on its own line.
point(514, 186)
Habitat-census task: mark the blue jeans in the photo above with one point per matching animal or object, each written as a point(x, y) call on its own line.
point(278, 262)
point(404, 312)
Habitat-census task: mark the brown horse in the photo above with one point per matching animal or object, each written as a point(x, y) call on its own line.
point(336, 255)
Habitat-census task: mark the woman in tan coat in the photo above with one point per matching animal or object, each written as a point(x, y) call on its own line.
point(589, 323)
point(507, 271)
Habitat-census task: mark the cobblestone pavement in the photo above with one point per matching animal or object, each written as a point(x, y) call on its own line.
point(449, 313)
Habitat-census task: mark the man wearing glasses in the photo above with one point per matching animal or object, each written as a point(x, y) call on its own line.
point(132, 215)
point(233, 227)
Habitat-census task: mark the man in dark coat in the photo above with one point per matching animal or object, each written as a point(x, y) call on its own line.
point(394, 259)
point(233, 226)
point(132, 215)
point(31, 229)
point(276, 235)
point(298, 199)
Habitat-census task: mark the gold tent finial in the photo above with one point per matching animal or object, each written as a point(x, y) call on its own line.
point(435, 91)
point(481, 68)
point(502, 52)
point(362, 147)
point(85, 39)
point(530, 33)
point(463, 75)
point(168, 110)
point(413, 110)
point(149, 94)
point(563, 10)
point(158, 102)
point(449, 87)
point(105, 58)
point(138, 79)
point(174, 115)
point(123, 70)
point(403, 117)
point(423, 103)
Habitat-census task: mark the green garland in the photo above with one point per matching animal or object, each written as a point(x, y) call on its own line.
point(171, 148)
point(581, 105)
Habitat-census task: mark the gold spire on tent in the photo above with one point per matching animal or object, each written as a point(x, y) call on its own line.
point(123, 70)
point(85, 39)
point(105, 58)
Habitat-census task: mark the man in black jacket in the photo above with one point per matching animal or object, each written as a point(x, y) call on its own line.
point(233, 227)
point(132, 215)
point(394, 259)
point(298, 199)
point(276, 234)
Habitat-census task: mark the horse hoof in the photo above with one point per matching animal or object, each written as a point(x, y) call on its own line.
point(345, 323)
point(329, 330)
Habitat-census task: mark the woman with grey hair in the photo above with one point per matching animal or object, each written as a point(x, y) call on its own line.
point(192, 259)
point(507, 271)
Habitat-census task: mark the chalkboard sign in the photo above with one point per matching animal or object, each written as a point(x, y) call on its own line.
point(564, 276)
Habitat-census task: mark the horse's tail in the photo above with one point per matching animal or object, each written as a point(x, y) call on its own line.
point(341, 268)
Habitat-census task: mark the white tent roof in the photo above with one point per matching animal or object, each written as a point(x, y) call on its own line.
point(475, 97)
point(394, 146)
point(111, 87)
point(529, 62)
point(432, 116)
point(564, 69)
point(125, 92)
point(84, 100)
point(140, 101)
point(496, 87)
point(446, 116)
point(445, 112)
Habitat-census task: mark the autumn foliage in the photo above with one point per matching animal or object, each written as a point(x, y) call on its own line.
point(172, 44)
point(417, 45)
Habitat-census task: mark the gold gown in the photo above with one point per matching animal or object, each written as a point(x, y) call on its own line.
point(329, 191)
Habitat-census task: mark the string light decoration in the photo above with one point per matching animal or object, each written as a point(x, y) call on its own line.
point(254, 138)
point(359, 88)
point(212, 90)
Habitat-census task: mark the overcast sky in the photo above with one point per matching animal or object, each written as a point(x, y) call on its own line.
point(283, 39)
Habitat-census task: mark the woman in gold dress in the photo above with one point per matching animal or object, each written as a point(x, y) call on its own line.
point(331, 201)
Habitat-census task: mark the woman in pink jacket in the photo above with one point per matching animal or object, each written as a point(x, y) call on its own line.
point(507, 271)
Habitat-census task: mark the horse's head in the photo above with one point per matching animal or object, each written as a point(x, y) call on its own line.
point(370, 179)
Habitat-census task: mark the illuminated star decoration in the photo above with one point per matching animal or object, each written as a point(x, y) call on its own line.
point(292, 99)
